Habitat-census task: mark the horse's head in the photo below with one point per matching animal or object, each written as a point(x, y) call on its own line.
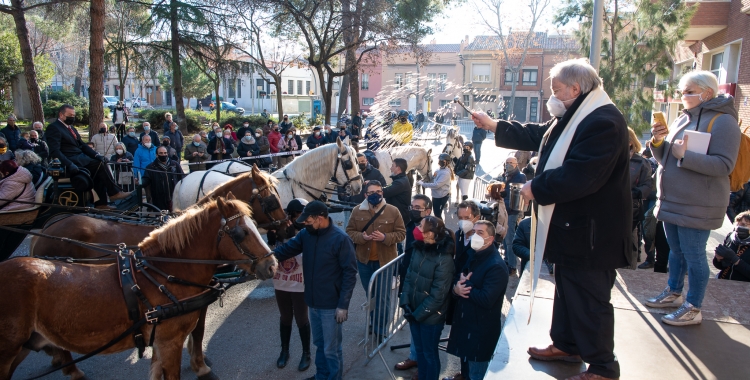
point(346, 172)
point(425, 171)
point(239, 239)
point(268, 211)
point(453, 143)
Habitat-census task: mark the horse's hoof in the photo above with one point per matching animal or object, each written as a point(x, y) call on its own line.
point(209, 376)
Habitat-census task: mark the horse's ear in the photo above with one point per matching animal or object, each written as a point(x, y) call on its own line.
point(230, 196)
point(338, 141)
point(429, 152)
point(255, 169)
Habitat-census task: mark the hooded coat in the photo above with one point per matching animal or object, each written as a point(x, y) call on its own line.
point(694, 194)
point(428, 281)
point(17, 186)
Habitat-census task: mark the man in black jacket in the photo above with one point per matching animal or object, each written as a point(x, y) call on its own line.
point(161, 176)
point(398, 193)
point(66, 145)
point(368, 174)
point(329, 270)
point(586, 197)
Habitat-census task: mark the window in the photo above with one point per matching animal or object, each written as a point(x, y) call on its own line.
point(431, 81)
point(299, 88)
point(443, 103)
point(395, 102)
point(408, 80)
point(442, 79)
point(290, 89)
point(260, 87)
point(365, 81)
point(529, 77)
point(368, 101)
point(399, 81)
point(467, 103)
point(245, 68)
point(533, 109)
point(480, 72)
point(239, 88)
point(508, 76)
point(307, 88)
point(106, 89)
point(717, 63)
point(230, 86)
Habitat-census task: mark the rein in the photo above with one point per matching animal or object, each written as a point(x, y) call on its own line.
point(90, 210)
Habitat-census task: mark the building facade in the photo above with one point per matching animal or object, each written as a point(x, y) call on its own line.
point(713, 42)
point(488, 79)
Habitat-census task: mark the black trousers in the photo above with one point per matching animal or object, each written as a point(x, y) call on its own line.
point(583, 319)
point(104, 182)
point(438, 204)
point(292, 306)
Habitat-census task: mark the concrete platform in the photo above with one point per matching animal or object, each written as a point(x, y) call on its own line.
point(645, 347)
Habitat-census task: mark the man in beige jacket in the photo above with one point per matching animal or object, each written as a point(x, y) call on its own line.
point(376, 227)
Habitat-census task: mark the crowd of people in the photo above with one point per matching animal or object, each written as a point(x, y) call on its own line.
point(600, 199)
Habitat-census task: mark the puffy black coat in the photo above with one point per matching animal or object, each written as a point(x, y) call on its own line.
point(466, 166)
point(162, 182)
point(428, 280)
point(476, 320)
point(591, 225)
point(398, 193)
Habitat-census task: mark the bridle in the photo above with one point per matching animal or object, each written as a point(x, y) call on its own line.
point(268, 204)
point(346, 165)
point(236, 233)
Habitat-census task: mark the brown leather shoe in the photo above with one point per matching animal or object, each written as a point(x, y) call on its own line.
point(406, 364)
point(120, 195)
point(551, 353)
point(589, 376)
point(457, 376)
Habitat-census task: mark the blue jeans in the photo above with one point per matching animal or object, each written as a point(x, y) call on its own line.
point(381, 290)
point(477, 370)
point(510, 258)
point(687, 254)
point(412, 350)
point(326, 332)
point(477, 150)
point(426, 339)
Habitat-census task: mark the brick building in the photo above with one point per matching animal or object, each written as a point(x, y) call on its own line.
point(713, 42)
point(488, 80)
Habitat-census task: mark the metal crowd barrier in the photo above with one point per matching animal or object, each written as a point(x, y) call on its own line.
point(124, 175)
point(480, 188)
point(385, 318)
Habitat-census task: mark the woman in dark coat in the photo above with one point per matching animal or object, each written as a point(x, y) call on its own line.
point(465, 170)
point(426, 292)
point(640, 187)
point(123, 167)
point(247, 147)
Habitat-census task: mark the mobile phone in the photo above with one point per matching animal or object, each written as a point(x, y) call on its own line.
point(660, 118)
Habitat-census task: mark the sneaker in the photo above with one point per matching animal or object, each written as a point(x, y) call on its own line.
point(646, 265)
point(667, 298)
point(687, 314)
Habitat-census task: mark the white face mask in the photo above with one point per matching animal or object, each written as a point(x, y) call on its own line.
point(556, 107)
point(477, 242)
point(257, 135)
point(119, 151)
point(147, 145)
point(466, 225)
point(317, 133)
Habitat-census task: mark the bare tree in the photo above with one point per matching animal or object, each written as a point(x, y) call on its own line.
point(96, 68)
point(513, 46)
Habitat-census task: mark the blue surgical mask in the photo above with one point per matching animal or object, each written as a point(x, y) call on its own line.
point(131, 134)
point(196, 143)
point(374, 199)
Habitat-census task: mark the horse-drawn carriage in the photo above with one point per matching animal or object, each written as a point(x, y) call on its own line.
point(57, 195)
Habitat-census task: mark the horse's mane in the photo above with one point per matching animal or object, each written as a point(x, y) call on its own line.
point(229, 185)
point(306, 173)
point(179, 232)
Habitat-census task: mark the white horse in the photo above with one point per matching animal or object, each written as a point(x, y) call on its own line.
point(233, 167)
point(454, 145)
point(417, 158)
point(307, 176)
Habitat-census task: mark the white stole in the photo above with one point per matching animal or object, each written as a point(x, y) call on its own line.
point(540, 222)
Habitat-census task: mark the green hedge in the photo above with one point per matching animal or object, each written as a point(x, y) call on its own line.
point(157, 119)
point(256, 121)
point(55, 99)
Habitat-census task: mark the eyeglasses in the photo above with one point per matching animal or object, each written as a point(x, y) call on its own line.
point(416, 208)
point(374, 192)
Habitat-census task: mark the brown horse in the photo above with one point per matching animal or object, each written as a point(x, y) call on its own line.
point(255, 187)
point(80, 307)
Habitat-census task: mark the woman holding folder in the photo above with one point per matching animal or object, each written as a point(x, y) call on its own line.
point(692, 188)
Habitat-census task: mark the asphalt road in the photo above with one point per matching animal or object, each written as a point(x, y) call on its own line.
point(242, 338)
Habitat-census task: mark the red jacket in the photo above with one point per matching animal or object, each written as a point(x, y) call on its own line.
point(274, 138)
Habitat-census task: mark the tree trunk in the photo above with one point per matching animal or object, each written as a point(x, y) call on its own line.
point(218, 101)
point(120, 77)
point(343, 95)
point(79, 72)
point(353, 82)
point(279, 99)
point(29, 71)
point(96, 68)
point(512, 102)
point(176, 69)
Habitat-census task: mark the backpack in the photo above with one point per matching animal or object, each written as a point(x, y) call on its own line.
point(741, 172)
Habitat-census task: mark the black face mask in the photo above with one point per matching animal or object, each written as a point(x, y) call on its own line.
point(311, 230)
point(742, 232)
point(32, 140)
point(69, 120)
point(165, 143)
point(102, 130)
point(298, 226)
point(163, 158)
point(362, 167)
point(415, 216)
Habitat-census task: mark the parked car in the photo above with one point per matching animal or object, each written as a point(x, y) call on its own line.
point(138, 102)
point(110, 102)
point(226, 106)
